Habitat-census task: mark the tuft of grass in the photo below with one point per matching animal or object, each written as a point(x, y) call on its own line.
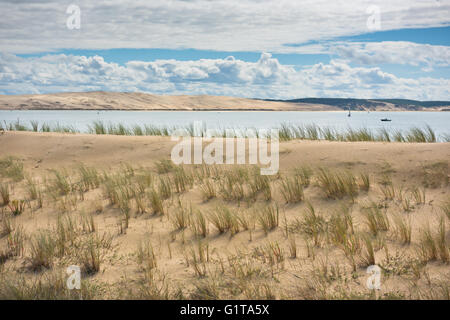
point(17, 207)
point(416, 134)
point(365, 182)
point(165, 188)
point(312, 224)
point(7, 225)
point(89, 178)
point(182, 180)
point(90, 255)
point(97, 127)
point(156, 203)
point(257, 184)
point(270, 253)
point(34, 125)
point(368, 255)
point(32, 189)
point(87, 223)
point(388, 191)
point(340, 225)
point(428, 250)
point(352, 247)
point(164, 166)
point(224, 220)
point(5, 194)
point(403, 228)
point(42, 251)
point(65, 233)
point(434, 247)
point(441, 242)
point(208, 189)
point(268, 218)
point(180, 219)
point(61, 183)
point(418, 195)
point(304, 174)
point(292, 248)
point(12, 168)
point(199, 258)
point(232, 188)
point(199, 224)
point(337, 185)
point(376, 219)
point(15, 242)
point(146, 255)
point(292, 189)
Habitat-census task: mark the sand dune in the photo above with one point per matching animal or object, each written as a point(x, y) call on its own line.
point(142, 101)
point(288, 262)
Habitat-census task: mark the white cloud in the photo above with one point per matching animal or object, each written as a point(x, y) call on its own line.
point(398, 52)
point(266, 78)
point(224, 25)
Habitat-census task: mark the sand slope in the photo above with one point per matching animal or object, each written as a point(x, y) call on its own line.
point(142, 101)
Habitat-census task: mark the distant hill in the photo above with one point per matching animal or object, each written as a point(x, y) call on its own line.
point(372, 104)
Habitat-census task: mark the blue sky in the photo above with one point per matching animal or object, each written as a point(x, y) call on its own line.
point(244, 48)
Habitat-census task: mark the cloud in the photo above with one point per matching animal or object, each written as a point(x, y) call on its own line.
point(222, 25)
point(398, 52)
point(265, 78)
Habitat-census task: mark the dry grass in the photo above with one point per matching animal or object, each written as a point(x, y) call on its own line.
point(434, 246)
point(268, 217)
point(403, 228)
point(337, 184)
point(42, 251)
point(16, 207)
point(4, 194)
point(208, 189)
point(376, 219)
point(224, 219)
point(292, 189)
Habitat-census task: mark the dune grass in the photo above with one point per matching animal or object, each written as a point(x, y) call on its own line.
point(287, 131)
point(326, 240)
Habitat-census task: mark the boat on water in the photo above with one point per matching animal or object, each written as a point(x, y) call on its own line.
point(386, 119)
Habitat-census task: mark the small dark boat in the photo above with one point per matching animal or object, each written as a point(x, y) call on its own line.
point(386, 119)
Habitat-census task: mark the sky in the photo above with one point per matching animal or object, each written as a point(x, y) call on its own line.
point(277, 49)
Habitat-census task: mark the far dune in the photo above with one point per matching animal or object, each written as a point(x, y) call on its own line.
point(141, 101)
